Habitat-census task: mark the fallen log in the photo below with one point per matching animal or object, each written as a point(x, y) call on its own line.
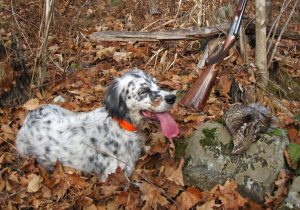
point(183, 34)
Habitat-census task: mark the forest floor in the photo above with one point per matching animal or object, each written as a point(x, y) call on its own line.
point(79, 70)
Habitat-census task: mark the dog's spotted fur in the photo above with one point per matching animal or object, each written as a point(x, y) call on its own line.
point(93, 142)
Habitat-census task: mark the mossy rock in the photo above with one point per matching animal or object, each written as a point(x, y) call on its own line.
point(209, 161)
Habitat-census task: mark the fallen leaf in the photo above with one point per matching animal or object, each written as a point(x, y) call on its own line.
point(8, 132)
point(152, 196)
point(34, 184)
point(294, 135)
point(90, 207)
point(195, 117)
point(171, 188)
point(229, 197)
point(189, 198)
point(31, 104)
point(225, 84)
point(177, 176)
point(209, 205)
point(107, 191)
point(77, 181)
point(60, 189)
point(105, 52)
point(122, 198)
point(121, 56)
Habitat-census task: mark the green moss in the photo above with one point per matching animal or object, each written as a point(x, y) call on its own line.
point(209, 137)
point(276, 132)
point(74, 65)
point(180, 147)
point(297, 118)
point(220, 120)
point(115, 2)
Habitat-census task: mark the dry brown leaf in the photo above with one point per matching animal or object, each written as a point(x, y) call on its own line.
point(122, 198)
point(122, 56)
point(31, 104)
point(177, 176)
point(34, 183)
point(189, 198)
point(225, 84)
point(230, 198)
point(107, 191)
point(8, 132)
point(59, 190)
point(77, 181)
point(195, 117)
point(105, 52)
point(152, 196)
point(287, 120)
point(117, 179)
point(90, 207)
point(294, 135)
point(171, 188)
point(209, 205)
point(2, 183)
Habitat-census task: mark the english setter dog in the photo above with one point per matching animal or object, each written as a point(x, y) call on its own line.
point(104, 139)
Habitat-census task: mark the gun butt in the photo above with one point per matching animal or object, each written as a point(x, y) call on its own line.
point(199, 92)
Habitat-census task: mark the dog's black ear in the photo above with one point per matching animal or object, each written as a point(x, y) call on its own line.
point(114, 102)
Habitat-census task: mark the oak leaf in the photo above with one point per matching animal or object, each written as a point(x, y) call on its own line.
point(34, 184)
point(152, 196)
point(209, 205)
point(177, 176)
point(32, 104)
point(189, 198)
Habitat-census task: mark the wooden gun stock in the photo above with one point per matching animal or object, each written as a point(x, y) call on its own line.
point(199, 92)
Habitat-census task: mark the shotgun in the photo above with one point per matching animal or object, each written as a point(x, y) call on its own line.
point(200, 90)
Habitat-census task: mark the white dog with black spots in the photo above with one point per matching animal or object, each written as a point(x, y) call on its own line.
point(104, 139)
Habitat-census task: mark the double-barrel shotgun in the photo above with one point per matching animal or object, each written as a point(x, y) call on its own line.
point(198, 94)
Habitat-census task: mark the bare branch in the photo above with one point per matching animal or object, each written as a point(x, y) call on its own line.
point(159, 36)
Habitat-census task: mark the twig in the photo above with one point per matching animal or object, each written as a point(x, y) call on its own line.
point(6, 141)
point(9, 10)
point(280, 35)
point(18, 25)
point(275, 24)
point(175, 18)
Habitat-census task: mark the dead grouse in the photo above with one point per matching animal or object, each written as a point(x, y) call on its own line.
point(245, 122)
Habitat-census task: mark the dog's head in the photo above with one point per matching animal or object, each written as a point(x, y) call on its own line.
point(135, 96)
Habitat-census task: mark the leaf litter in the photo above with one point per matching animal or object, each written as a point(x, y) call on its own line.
point(79, 71)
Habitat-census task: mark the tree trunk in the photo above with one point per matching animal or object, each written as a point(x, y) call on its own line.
point(262, 73)
point(14, 78)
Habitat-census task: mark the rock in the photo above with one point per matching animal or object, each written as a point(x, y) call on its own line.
point(209, 161)
point(292, 201)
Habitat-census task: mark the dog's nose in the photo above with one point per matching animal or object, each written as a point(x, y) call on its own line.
point(170, 99)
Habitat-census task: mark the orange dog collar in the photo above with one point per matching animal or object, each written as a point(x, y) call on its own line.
point(125, 125)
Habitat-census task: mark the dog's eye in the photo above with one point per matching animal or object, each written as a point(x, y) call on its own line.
point(144, 91)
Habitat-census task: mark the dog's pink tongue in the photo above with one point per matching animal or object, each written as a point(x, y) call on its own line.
point(168, 125)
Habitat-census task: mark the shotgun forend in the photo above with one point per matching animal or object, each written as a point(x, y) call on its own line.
point(200, 90)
